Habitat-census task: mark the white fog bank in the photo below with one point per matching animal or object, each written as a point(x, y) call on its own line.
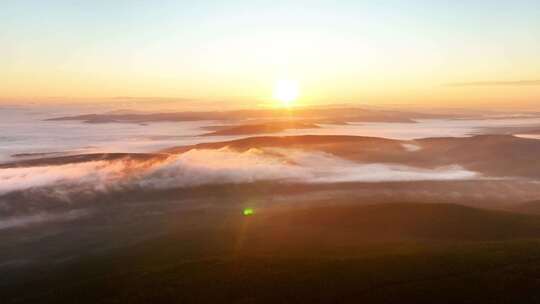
point(203, 167)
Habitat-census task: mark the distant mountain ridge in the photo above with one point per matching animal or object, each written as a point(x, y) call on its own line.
point(336, 115)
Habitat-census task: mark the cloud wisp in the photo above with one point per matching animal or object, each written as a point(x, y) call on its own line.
point(515, 83)
point(21, 221)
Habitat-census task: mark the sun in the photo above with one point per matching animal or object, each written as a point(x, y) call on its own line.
point(286, 92)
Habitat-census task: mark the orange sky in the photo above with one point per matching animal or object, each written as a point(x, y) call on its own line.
point(396, 52)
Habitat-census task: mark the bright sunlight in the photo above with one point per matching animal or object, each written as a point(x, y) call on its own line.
point(286, 92)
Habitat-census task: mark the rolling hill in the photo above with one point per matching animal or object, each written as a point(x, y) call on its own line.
point(335, 253)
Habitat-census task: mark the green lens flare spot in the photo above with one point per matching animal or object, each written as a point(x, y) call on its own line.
point(248, 211)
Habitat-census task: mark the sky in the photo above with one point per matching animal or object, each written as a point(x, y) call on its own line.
point(436, 53)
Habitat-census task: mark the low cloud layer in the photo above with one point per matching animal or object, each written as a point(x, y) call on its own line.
point(202, 167)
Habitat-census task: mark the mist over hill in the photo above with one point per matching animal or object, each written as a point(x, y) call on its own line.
point(160, 201)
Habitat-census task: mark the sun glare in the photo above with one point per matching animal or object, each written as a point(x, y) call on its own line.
point(286, 92)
